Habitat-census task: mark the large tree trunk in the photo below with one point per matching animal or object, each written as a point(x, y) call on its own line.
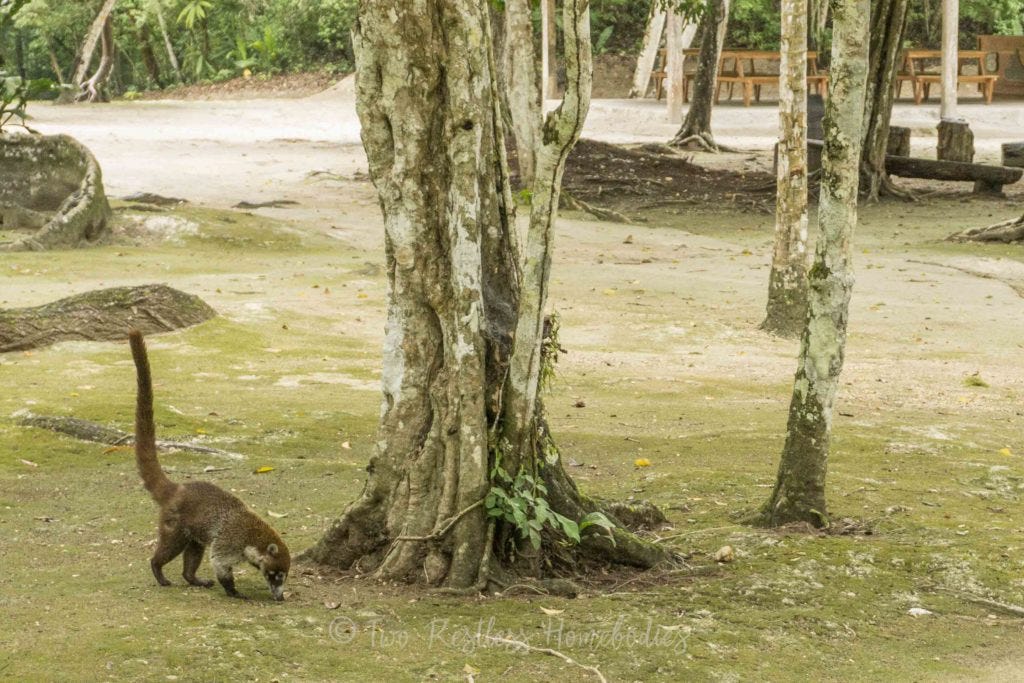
point(96, 31)
point(787, 286)
point(888, 24)
point(523, 85)
point(799, 494)
point(436, 155)
point(696, 128)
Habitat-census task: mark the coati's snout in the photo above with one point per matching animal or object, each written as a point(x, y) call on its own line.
point(273, 563)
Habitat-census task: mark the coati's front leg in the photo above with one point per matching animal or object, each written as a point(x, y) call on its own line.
point(225, 577)
point(170, 544)
point(192, 559)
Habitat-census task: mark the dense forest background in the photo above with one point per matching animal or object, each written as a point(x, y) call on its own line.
point(216, 40)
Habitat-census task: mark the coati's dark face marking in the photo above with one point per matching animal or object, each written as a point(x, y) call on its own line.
point(274, 565)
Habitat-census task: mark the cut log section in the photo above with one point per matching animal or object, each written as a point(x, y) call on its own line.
point(899, 141)
point(51, 194)
point(956, 141)
point(101, 315)
point(1013, 154)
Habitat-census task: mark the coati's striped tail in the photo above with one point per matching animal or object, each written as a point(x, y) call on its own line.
point(153, 477)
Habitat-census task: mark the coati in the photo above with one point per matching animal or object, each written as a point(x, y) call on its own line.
point(198, 514)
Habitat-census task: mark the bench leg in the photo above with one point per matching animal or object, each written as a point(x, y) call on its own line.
point(748, 89)
point(985, 187)
point(990, 88)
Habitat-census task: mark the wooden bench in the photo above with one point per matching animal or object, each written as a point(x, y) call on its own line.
point(742, 71)
point(913, 71)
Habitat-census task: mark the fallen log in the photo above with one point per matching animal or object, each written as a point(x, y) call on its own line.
point(987, 179)
point(101, 315)
point(84, 430)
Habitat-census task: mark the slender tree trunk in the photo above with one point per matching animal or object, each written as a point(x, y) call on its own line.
point(55, 64)
point(696, 128)
point(148, 56)
point(888, 25)
point(649, 51)
point(19, 54)
point(89, 44)
point(549, 43)
point(787, 287)
point(523, 85)
point(674, 66)
point(171, 57)
point(799, 494)
point(436, 156)
point(93, 90)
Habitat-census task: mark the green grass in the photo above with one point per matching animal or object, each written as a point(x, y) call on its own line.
point(289, 382)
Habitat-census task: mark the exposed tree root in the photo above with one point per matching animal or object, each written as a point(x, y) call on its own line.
point(101, 315)
point(704, 141)
point(602, 214)
point(1006, 232)
point(520, 645)
point(84, 430)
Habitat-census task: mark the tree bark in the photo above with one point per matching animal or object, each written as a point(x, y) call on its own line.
point(55, 64)
point(148, 56)
point(888, 25)
point(435, 145)
point(96, 31)
point(523, 85)
point(799, 494)
point(549, 43)
point(956, 141)
point(93, 90)
point(787, 287)
point(1013, 154)
point(101, 315)
point(674, 78)
point(696, 128)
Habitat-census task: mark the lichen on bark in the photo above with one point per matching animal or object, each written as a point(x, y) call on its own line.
point(799, 493)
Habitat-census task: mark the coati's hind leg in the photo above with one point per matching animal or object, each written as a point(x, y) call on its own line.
point(170, 544)
point(193, 557)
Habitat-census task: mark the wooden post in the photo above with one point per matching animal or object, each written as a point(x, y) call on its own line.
point(674, 66)
point(950, 53)
point(549, 43)
point(1013, 154)
point(898, 144)
point(649, 52)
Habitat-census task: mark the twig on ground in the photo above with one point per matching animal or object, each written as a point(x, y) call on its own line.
point(518, 644)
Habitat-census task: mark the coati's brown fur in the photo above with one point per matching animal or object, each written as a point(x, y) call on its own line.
point(198, 514)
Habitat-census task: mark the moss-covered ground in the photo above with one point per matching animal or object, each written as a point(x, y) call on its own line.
point(663, 355)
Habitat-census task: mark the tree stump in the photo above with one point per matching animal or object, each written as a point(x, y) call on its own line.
point(956, 141)
point(101, 315)
point(899, 142)
point(1013, 154)
point(51, 194)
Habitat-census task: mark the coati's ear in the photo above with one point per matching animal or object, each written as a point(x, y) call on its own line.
point(272, 550)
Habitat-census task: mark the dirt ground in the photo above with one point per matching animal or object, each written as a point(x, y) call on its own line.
point(660, 318)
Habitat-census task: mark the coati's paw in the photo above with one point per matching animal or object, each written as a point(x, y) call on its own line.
point(201, 583)
point(164, 582)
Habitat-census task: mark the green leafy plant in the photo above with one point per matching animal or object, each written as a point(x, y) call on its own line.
point(522, 502)
point(194, 12)
point(15, 93)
